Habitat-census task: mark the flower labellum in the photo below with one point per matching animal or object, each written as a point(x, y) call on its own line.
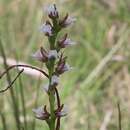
point(46, 28)
point(52, 11)
point(41, 113)
point(52, 54)
point(54, 80)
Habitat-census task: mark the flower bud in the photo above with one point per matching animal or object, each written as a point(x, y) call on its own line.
point(52, 11)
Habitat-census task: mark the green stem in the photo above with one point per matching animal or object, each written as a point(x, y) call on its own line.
point(52, 98)
point(50, 67)
point(52, 108)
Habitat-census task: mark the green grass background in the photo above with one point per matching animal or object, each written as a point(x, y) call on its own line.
point(98, 81)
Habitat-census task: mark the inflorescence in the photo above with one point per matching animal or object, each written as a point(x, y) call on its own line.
point(56, 64)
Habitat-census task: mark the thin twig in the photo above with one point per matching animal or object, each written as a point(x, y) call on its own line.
point(28, 71)
point(10, 85)
point(27, 66)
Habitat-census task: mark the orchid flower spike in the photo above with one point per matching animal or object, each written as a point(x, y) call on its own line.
point(56, 64)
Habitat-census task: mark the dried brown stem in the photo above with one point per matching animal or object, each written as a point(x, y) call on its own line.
point(10, 85)
point(27, 66)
